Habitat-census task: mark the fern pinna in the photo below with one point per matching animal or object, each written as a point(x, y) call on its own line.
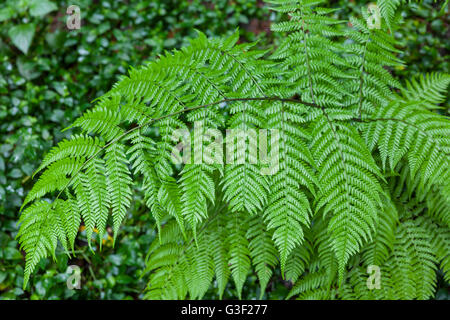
point(361, 179)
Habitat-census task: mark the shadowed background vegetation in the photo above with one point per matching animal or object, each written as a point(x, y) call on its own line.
point(49, 75)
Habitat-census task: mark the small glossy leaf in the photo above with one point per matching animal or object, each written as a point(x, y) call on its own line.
point(40, 8)
point(22, 35)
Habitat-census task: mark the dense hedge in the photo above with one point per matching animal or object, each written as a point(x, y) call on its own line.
point(62, 71)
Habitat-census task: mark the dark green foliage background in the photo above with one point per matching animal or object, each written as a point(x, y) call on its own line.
point(43, 91)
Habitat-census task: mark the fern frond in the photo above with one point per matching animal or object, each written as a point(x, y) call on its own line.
point(165, 263)
point(408, 129)
point(119, 180)
point(54, 178)
point(440, 243)
point(99, 197)
point(104, 119)
point(77, 146)
point(71, 218)
point(170, 199)
point(379, 250)
point(198, 187)
point(262, 251)
point(200, 270)
point(350, 190)
point(297, 262)
point(219, 249)
point(142, 156)
point(239, 253)
point(288, 207)
point(373, 51)
point(313, 286)
point(416, 262)
point(430, 89)
point(37, 236)
point(388, 9)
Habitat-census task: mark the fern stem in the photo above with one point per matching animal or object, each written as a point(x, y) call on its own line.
point(361, 80)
